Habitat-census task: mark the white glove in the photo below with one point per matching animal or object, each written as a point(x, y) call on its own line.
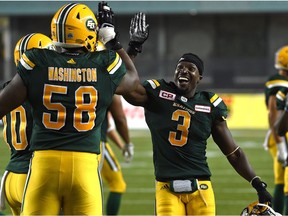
point(106, 33)
point(282, 152)
point(128, 152)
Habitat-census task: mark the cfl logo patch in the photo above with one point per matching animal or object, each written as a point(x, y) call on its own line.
point(90, 24)
point(167, 95)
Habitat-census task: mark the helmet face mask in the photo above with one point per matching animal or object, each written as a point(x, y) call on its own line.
point(29, 41)
point(257, 208)
point(281, 58)
point(74, 26)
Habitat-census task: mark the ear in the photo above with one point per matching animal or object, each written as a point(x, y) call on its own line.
point(200, 78)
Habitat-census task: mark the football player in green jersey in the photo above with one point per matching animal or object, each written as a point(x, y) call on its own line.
point(188, 117)
point(281, 125)
point(17, 133)
point(111, 170)
point(273, 142)
point(282, 132)
point(69, 92)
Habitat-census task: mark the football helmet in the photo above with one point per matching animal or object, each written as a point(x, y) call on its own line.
point(281, 58)
point(257, 208)
point(29, 41)
point(74, 25)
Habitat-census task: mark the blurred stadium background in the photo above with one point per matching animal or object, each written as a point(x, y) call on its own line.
point(237, 41)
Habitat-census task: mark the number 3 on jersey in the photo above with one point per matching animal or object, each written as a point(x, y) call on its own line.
point(81, 107)
point(183, 128)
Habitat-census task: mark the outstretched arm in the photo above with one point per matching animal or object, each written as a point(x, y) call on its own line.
point(113, 135)
point(116, 109)
point(236, 157)
point(108, 37)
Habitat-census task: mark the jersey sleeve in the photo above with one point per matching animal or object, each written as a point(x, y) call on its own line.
point(219, 108)
point(115, 67)
point(280, 98)
point(273, 86)
point(26, 65)
point(151, 84)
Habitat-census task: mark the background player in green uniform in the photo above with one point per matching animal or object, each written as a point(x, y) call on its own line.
point(69, 93)
point(111, 170)
point(188, 117)
point(274, 143)
point(17, 133)
point(281, 101)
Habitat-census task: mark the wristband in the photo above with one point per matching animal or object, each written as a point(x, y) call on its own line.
point(114, 44)
point(258, 184)
point(253, 179)
point(134, 48)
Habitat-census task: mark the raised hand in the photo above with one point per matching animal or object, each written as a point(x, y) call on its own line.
point(106, 32)
point(105, 14)
point(139, 33)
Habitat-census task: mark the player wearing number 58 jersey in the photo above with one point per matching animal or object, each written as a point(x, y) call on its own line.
point(69, 92)
point(89, 80)
point(17, 133)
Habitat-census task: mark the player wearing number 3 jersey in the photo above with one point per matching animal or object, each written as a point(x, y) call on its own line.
point(181, 119)
point(188, 118)
point(69, 91)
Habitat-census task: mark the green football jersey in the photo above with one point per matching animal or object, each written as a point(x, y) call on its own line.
point(104, 129)
point(179, 129)
point(273, 85)
point(17, 133)
point(281, 98)
point(69, 94)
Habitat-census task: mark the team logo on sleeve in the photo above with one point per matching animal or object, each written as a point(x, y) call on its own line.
point(167, 95)
point(201, 108)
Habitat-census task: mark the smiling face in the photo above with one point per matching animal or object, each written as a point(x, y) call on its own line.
point(186, 78)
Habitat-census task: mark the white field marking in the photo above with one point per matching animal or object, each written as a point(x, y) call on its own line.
point(140, 202)
point(145, 154)
point(213, 154)
point(247, 133)
point(143, 172)
point(251, 145)
point(134, 164)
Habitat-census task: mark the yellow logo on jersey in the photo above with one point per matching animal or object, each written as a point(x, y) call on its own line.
point(71, 61)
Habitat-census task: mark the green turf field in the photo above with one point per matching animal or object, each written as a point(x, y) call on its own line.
point(231, 191)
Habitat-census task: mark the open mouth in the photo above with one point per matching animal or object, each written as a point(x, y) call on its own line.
point(183, 80)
